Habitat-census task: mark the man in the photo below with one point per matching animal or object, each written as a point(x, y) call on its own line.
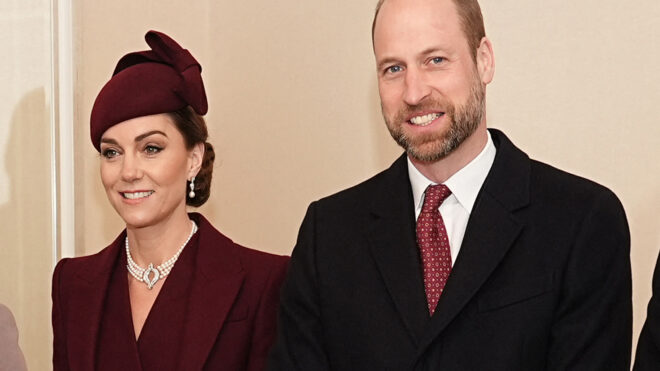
point(647, 356)
point(464, 254)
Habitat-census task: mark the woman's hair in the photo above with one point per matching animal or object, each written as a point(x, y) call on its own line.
point(193, 128)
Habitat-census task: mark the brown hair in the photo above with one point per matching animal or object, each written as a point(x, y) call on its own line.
point(193, 128)
point(472, 22)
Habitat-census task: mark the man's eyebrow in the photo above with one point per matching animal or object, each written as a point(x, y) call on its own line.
point(431, 50)
point(386, 61)
point(149, 133)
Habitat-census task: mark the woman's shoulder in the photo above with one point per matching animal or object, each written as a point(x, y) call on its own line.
point(258, 267)
point(261, 262)
point(249, 257)
point(99, 261)
point(261, 271)
point(260, 257)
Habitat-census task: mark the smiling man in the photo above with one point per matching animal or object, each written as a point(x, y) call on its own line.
point(465, 254)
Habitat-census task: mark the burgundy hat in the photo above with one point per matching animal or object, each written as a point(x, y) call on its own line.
point(164, 79)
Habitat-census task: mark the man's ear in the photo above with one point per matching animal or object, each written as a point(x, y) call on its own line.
point(196, 157)
point(485, 61)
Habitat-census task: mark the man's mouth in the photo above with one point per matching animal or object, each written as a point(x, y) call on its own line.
point(136, 195)
point(424, 120)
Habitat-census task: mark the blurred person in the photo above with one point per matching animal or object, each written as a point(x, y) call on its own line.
point(11, 357)
point(647, 356)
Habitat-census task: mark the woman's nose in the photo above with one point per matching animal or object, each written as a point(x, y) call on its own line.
point(131, 169)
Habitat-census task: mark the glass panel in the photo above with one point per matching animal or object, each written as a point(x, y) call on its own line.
point(26, 179)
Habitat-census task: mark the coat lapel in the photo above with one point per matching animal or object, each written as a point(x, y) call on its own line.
point(394, 248)
point(86, 307)
point(217, 282)
point(491, 231)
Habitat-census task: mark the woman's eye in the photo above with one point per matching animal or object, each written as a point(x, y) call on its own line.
point(109, 153)
point(152, 150)
point(437, 60)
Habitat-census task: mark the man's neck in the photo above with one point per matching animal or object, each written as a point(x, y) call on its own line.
point(441, 170)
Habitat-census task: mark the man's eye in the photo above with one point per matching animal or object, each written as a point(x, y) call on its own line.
point(109, 153)
point(437, 60)
point(393, 69)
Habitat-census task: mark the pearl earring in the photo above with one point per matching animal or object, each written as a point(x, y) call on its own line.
point(191, 194)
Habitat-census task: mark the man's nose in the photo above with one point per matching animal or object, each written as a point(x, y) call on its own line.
point(416, 87)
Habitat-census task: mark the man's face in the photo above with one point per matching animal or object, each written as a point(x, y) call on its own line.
point(431, 92)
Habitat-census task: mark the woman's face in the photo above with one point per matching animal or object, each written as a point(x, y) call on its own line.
point(144, 168)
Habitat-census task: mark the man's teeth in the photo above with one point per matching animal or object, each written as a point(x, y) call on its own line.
point(425, 119)
point(135, 195)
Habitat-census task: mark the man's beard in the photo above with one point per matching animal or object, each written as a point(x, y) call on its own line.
point(431, 147)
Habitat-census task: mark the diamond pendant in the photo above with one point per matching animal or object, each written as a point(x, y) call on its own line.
point(145, 276)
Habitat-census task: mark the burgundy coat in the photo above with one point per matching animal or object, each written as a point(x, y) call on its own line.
point(230, 318)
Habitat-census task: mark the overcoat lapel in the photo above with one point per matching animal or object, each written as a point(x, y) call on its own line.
point(86, 308)
point(394, 248)
point(217, 282)
point(491, 231)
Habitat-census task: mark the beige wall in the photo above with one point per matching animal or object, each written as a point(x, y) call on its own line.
point(26, 238)
point(294, 110)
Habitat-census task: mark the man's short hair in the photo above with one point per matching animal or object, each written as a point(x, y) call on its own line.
point(471, 18)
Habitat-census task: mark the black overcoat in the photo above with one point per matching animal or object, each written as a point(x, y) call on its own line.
point(542, 281)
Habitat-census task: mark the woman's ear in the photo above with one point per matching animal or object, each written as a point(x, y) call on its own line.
point(195, 159)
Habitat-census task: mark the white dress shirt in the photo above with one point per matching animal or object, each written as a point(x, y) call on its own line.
point(464, 187)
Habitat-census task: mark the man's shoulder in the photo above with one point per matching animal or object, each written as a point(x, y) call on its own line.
point(555, 191)
point(367, 190)
point(547, 178)
point(514, 170)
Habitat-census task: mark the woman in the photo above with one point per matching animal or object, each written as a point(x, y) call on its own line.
point(171, 292)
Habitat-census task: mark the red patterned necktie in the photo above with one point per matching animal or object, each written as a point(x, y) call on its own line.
point(434, 244)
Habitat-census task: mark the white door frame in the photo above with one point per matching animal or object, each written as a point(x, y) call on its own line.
point(62, 123)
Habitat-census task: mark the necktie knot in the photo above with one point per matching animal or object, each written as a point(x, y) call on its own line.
point(434, 196)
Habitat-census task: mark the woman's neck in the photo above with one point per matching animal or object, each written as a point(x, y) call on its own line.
point(157, 243)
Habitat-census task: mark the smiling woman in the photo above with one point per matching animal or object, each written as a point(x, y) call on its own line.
point(171, 292)
point(145, 164)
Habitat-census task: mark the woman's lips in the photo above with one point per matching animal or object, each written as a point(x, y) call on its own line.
point(136, 195)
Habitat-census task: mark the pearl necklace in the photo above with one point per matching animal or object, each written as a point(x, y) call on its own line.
point(142, 274)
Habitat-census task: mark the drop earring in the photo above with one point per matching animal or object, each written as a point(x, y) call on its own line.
point(191, 194)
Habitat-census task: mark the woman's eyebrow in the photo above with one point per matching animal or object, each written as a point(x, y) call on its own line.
point(109, 141)
point(149, 133)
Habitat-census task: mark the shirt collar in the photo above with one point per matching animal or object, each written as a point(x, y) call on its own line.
point(464, 184)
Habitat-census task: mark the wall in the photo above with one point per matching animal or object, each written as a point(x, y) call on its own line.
point(294, 110)
point(26, 177)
